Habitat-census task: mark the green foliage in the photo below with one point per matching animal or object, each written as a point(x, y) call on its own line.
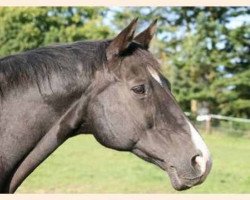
point(28, 28)
point(234, 82)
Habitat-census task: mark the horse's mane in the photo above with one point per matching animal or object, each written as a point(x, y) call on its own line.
point(36, 66)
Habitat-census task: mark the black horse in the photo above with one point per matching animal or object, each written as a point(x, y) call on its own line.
point(112, 89)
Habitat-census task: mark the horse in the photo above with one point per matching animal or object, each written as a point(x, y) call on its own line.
point(113, 89)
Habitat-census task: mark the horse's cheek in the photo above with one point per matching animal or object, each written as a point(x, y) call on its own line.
point(113, 127)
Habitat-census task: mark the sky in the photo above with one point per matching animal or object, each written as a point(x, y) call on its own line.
point(234, 22)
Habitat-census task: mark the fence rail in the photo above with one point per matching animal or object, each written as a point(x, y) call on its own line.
point(212, 116)
point(222, 124)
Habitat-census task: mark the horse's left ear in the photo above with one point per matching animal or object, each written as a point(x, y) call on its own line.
point(144, 38)
point(121, 42)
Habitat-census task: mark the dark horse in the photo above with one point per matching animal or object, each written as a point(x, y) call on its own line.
point(112, 89)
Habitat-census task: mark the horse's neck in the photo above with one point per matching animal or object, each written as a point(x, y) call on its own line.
point(27, 115)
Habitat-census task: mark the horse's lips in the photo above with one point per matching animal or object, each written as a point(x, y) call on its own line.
point(179, 183)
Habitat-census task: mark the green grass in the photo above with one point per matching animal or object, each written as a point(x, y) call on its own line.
point(82, 165)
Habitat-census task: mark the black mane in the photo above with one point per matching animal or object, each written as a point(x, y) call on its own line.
point(36, 66)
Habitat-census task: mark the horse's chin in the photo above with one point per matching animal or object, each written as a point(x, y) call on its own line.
point(180, 183)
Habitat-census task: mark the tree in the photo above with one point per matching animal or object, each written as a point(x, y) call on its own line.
point(233, 87)
point(27, 28)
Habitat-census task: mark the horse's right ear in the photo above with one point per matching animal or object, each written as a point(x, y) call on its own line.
point(145, 37)
point(121, 41)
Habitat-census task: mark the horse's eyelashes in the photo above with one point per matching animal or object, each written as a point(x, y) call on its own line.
point(139, 89)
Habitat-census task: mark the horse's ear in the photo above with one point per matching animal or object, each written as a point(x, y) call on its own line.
point(146, 36)
point(122, 40)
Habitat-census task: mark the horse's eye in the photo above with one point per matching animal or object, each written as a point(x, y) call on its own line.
point(139, 89)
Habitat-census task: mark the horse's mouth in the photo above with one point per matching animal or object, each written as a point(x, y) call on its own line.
point(182, 183)
point(179, 182)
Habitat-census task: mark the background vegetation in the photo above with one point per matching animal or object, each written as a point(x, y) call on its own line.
point(204, 52)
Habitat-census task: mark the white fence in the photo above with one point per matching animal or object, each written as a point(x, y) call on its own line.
point(220, 123)
point(212, 116)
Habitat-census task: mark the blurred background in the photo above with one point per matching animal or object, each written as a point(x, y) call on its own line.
point(205, 54)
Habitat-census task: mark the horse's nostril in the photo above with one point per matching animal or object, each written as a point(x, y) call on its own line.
point(198, 163)
point(193, 162)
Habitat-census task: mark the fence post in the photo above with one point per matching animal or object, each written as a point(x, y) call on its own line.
point(194, 106)
point(208, 125)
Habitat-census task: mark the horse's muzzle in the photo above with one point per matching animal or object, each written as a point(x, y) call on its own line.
point(181, 182)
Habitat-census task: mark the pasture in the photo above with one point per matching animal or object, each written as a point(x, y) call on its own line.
point(81, 165)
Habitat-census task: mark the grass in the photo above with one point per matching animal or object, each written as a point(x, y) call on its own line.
point(82, 165)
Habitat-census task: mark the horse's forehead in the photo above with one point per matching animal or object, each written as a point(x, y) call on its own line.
point(141, 64)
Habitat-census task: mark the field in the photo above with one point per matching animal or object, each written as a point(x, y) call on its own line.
point(81, 165)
